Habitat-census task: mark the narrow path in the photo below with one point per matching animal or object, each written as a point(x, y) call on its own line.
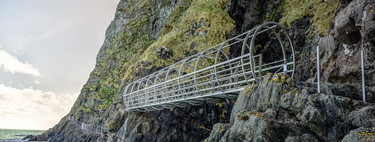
point(90, 128)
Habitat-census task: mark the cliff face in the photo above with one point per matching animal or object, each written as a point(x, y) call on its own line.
point(147, 35)
point(278, 109)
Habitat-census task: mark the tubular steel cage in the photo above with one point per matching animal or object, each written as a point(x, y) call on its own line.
point(212, 74)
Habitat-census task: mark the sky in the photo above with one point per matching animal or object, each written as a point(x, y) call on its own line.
point(47, 51)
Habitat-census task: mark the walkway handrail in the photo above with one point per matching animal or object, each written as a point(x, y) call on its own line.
point(88, 127)
point(212, 74)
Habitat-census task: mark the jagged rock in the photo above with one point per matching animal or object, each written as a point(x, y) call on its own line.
point(303, 138)
point(115, 121)
point(344, 90)
point(347, 32)
point(348, 19)
point(195, 29)
point(364, 117)
point(277, 110)
point(192, 123)
point(217, 132)
point(246, 14)
point(340, 61)
point(164, 53)
point(249, 126)
point(302, 44)
point(360, 135)
point(328, 47)
point(160, 16)
point(314, 119)
point(371, 34)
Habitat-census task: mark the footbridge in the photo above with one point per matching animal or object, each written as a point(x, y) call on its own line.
point(215, 73)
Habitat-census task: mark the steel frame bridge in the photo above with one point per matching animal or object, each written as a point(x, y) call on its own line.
point(212, 74)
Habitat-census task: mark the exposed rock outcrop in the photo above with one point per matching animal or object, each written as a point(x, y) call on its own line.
point(341, 50)
point(278, 110)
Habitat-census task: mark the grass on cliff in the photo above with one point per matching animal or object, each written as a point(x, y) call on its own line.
point(203, 22)
point(322, 12)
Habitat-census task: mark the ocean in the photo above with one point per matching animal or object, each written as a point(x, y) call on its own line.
point(17, 134)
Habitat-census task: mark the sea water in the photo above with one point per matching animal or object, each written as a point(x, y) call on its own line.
point(15, 134)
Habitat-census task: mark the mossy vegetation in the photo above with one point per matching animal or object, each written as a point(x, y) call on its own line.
point(204, 22)
point(85, 108)
point(322, 12)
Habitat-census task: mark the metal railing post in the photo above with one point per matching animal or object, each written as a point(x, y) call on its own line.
point(363, 77)
point(318, 67)
point(260, 67)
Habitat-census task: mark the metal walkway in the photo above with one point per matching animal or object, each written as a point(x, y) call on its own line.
point(212, 74)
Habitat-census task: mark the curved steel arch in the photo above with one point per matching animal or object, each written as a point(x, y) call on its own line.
point(182, 89)
point(282, 46)
point(219, 50)
point(176, 85)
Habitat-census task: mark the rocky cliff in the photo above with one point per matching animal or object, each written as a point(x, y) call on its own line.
point(147, 35)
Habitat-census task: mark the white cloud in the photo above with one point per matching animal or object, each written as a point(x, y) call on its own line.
point(11, 64)
point(22, 41)
point(36, 81)
point(31, 108)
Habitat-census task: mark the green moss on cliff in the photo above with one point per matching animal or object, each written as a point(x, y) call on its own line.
point(322, 12)
point(202, 22)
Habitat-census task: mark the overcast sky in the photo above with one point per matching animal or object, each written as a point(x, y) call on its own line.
point(47, 50)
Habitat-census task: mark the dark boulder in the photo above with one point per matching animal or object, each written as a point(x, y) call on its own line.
point(164, 53)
